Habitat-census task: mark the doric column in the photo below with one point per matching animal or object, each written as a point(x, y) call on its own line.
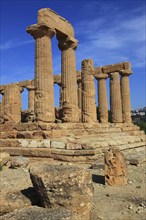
point(70, 111)
point(125, 94)
point(79, 82)
point(12, 103)
point(115, 98)
point(31, 97)
point(44, 93)
point(102, 97)
point(2, 107)
point(88, 92)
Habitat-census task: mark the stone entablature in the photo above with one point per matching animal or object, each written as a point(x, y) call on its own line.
point(53, 20)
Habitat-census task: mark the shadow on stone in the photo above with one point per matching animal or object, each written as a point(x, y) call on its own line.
point(98, 179)
point(32, 195)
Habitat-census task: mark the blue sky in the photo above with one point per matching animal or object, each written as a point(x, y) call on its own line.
point(108, 31)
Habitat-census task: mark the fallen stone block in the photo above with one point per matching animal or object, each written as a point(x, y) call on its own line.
point(64, 186)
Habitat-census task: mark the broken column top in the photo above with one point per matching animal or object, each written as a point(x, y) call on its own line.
point(53, 20)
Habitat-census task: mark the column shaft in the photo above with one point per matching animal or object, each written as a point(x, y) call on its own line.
point(44, 85)
point(2, 110)
point(70, 111)
point(12, 103)
point(31, 96)
point(44, 100)
point(115, 98)
point(88, 92)
point(102, 98)
point(126, 104)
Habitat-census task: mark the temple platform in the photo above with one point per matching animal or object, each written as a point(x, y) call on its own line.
point(72, 142)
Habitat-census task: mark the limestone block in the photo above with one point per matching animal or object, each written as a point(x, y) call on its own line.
point(115, 168)
point(53, 20)
point(58, 144)
point(19, 161)
point(67, 186)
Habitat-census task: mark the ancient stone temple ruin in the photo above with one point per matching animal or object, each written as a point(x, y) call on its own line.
point(72, 131)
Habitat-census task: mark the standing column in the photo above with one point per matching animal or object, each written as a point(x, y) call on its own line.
point(125, 93)
point(2, 107)
point(70, 111)
point(88, 92)
point(44, 93)
point(115, 98)
point(12, 103)
point(31, 96)
point(102, 97)
point(79, 82)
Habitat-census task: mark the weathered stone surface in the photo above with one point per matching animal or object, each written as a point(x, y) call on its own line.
point(136, 158)
point(70, 110)
point(88, 92)
point(102, 97)
point(12, 103)
point(16, 190)
point(58, 144)
point(125, 94)
point(4, 158)
point(115, 98)
point(115, 67)
point(53, 20)
point(34, 143)
point(38, 213)
point(67, 186)
point(19, 161)
point(44, 93)
point(115, 168)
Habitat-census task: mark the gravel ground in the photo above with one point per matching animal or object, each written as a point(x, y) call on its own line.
point(120, 203)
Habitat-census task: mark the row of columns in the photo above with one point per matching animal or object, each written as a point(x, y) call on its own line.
point(120, 106)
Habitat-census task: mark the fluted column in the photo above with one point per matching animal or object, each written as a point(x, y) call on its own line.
point(88, 92)
point(102, 97)
point(2, 107)
point(115, 98)
point(31, 97)
point(125, 94)
point(44, 93)
point(79, 82)
point(70, 111)
point(12, 103)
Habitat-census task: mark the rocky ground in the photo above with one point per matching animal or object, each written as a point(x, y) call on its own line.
point(120, 203)
point(109, 203)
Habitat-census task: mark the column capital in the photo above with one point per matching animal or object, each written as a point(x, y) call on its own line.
point(101, 76)
point(125, 72)
point(38, 31)
point(112, 74)
point(30, 88)
point(66, 43)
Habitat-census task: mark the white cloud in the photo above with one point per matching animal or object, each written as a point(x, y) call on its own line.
point(109, 40)
point(14, 43)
